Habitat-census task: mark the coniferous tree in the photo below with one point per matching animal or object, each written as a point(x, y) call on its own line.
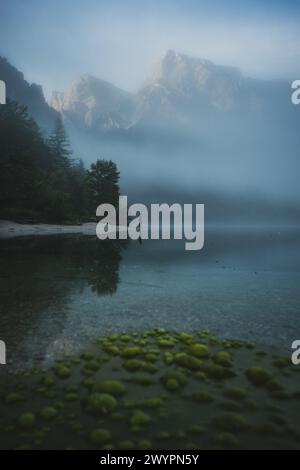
point(59, 144)
point(102, 184)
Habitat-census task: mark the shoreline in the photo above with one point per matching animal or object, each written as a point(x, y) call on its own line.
point(9, 229)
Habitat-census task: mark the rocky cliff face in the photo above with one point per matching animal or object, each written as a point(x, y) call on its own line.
point(181, 90)
point(95, 104)
point(31, 95)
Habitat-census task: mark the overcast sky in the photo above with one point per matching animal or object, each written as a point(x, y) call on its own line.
point(55, 41)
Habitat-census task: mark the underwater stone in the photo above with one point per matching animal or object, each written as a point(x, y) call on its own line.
point(132, 352)
point(202, 397)
point(139, 418)
point(113, 387)
point(197, 429)
point(13, 398)
point(133, 364)
point(230, 422)
point(172, 384)
point(99, 436)
point(223, 358)
point(199, 350)
point(142, 380)
point(187, 361)
point(48, 412)
point(62, 371)
point(145, 444)
point(258, 376)
point(235, 393)
point(126, 445)
point(155, 402)
point(226, 439)
point(101, 402)
point(26, 420)
point(218, 372)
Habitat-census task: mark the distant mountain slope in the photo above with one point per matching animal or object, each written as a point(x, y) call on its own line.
point(182, 90)
point(31, 95)
point(95, 104)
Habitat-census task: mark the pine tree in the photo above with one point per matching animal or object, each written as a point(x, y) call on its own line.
point(102, 184)
point(60, 145)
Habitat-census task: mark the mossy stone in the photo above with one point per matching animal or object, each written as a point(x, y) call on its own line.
point(113, 387)
point(226, 440)
point(101, 402)
point(235, 393)
point(258, 376)
point(230, 422)
point(126, 445)
point(62, 371)
point(100, 436)
point(13, 397)
point(49, 412)
point(199, 350)
point(139, 418)
point(223, 358)
point(202, 396)
point(87, 356)
point(281, 362)
point(218, 372)
point(187, 361)
point(144, 380)
point(152, 368)
point(48, 381)
point(230, 405)
point(145, 444)
point(133, 365)
point(27, 420)
point(151, 357)
point(163, 435)
point(173, 378)
point(166, 343)
point(71, 396)
point(197, 429)
point(132, 352)
point(172, 384)
point(155, 402)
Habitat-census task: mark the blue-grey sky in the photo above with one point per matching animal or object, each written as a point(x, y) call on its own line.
point(55, 41)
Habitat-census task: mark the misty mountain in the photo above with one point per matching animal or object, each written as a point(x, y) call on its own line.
point(95, 104)
point(29, 94)
point(195, 130)
point(182, 90)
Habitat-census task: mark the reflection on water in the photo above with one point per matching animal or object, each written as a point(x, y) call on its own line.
point(57, 292)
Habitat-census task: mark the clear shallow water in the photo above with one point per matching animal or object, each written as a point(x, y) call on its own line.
point(57, 292)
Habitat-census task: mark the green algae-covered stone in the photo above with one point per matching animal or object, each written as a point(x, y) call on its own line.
point(100, 436)
point(199, 350)
point(62, 371)
point(49, 412)
point(101, 402)
point(226, 440)
point(223, 358)
point(27, 420)
point(258, 376)
point(113, 387)
point(230, 422)
point(139, 418)
point(187, 361)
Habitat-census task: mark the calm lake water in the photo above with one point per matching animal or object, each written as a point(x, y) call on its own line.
point(58, 292)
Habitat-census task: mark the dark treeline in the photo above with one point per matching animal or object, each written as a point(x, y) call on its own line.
point(40, 180)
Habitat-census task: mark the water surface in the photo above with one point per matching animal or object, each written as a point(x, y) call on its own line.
point(58, 292)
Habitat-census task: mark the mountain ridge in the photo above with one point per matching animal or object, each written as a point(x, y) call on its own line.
point(28, 94)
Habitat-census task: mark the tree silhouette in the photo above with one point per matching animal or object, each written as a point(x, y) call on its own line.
point(103, 184)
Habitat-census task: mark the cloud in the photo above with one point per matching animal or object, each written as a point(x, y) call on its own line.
point(56, 42)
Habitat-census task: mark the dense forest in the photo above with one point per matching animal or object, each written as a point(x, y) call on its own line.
point(40, 181)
